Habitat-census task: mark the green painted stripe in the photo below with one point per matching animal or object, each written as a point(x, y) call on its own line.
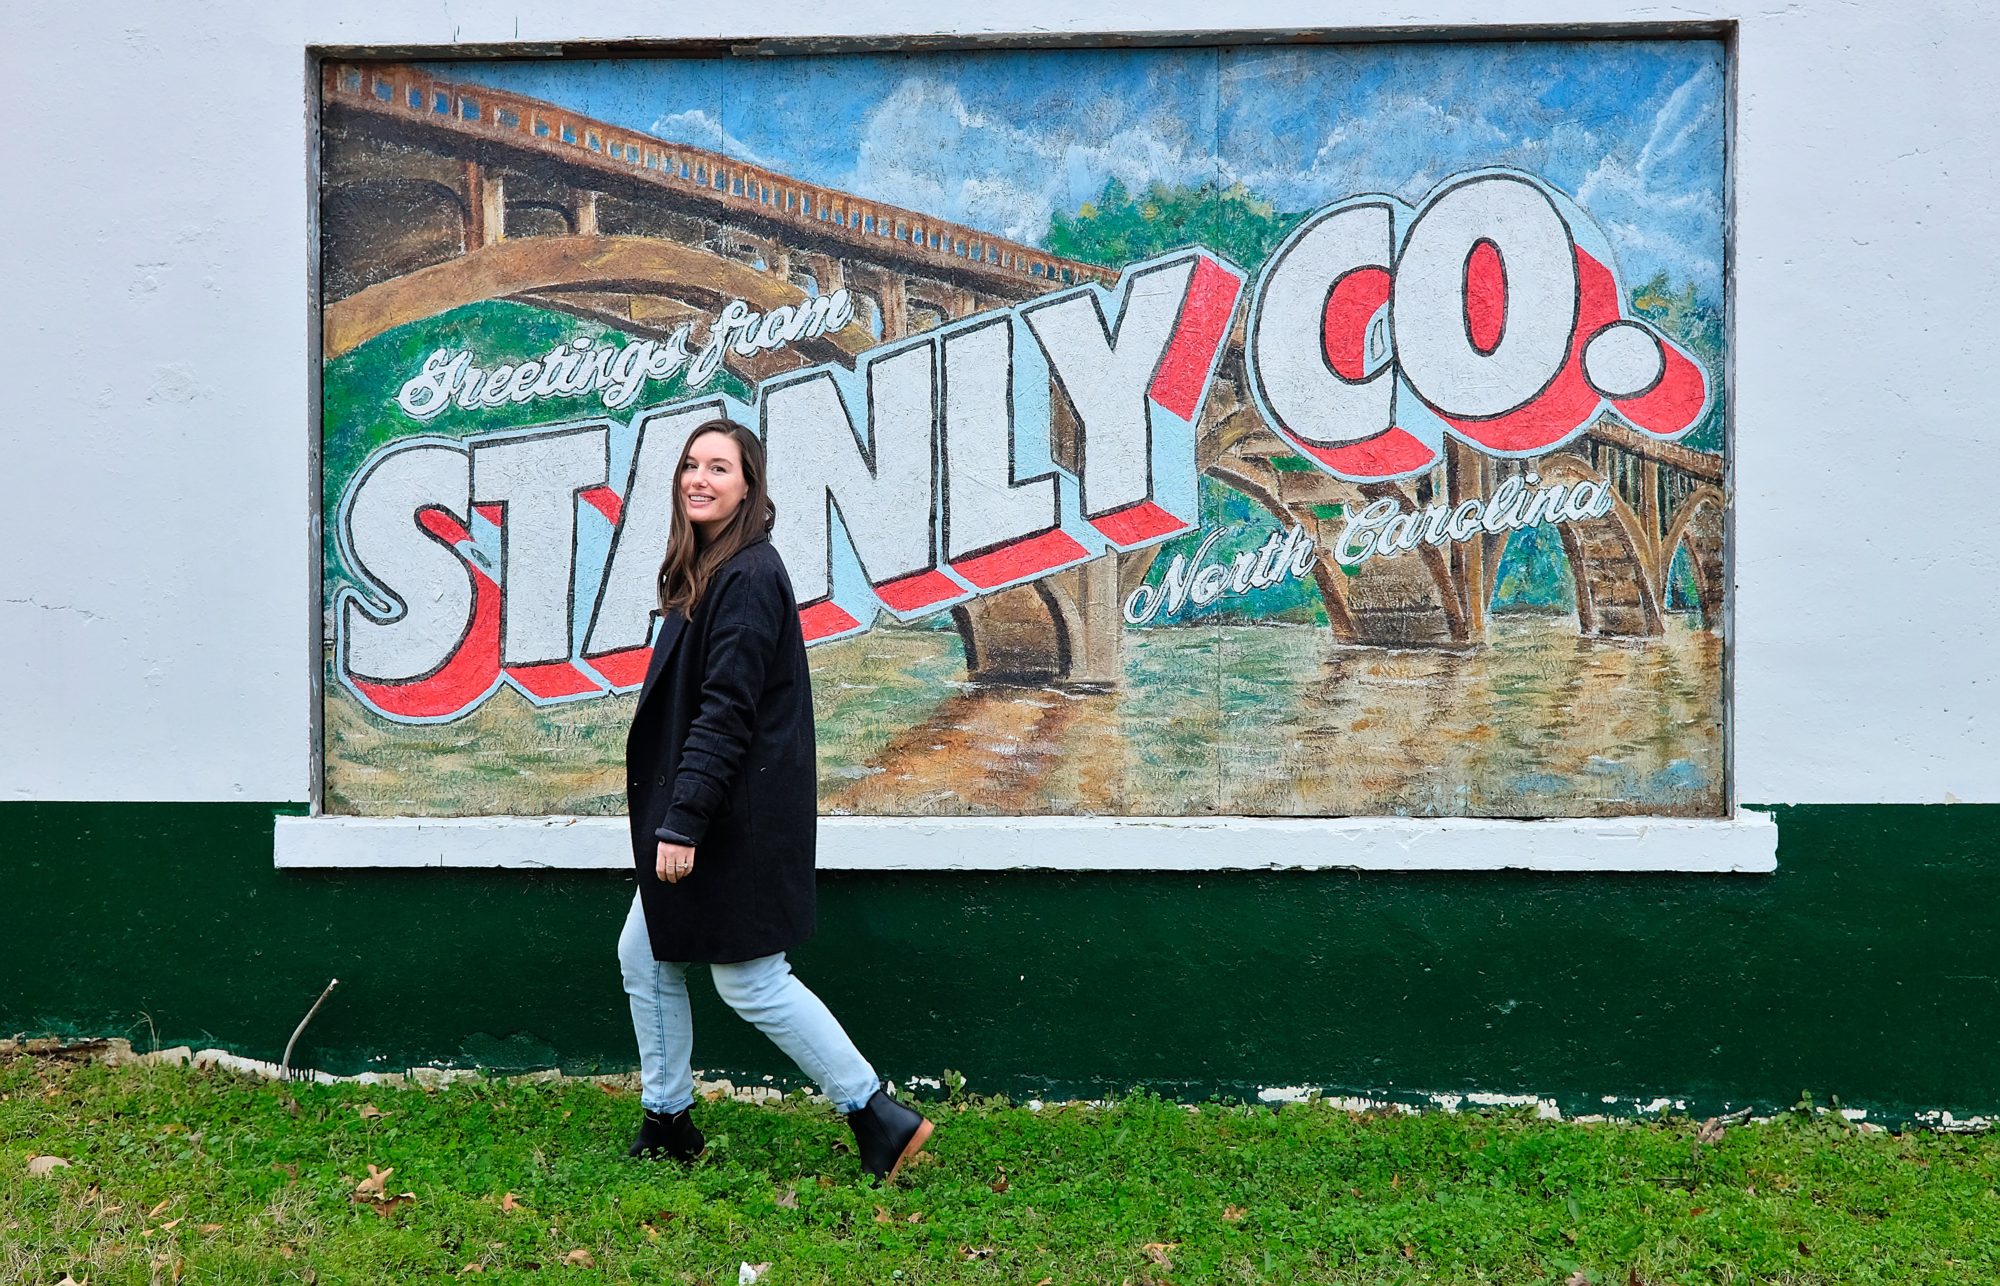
point(1868, 966)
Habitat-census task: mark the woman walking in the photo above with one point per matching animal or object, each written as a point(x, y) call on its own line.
point(720, 781)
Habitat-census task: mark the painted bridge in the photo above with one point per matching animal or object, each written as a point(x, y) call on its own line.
point(436, 194)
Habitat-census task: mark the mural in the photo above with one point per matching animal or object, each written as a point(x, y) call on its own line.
point(1313, 431)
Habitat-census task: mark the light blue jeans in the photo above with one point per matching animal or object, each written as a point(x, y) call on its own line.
point(763, 993)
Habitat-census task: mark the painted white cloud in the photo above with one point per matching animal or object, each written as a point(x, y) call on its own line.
point(1643, 201)
point(923, 147)
point(698, 128)
point(1659, 201)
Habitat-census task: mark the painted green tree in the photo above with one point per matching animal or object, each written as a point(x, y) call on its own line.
point(1119, 228)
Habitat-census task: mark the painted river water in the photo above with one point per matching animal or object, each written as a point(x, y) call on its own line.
point(1233, 719)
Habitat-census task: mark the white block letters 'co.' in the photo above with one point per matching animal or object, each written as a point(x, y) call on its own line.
point(1490, 313)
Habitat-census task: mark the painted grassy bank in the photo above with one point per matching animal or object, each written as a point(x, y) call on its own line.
point(1865, 967)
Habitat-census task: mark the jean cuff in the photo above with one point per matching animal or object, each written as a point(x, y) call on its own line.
point(866, 1097)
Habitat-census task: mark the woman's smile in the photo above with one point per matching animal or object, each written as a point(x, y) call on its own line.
point(712, 481)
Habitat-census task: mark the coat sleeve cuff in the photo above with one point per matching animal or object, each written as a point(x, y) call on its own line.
point(685, 823)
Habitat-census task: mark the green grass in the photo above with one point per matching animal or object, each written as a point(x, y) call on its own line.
point(204, 1176)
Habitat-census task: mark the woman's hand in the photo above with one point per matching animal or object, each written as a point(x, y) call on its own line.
point(674, 861)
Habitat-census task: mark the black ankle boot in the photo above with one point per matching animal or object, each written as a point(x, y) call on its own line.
point(673, 1136)
point(886, 1134)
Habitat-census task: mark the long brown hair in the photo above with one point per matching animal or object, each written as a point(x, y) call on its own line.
point(692, 559)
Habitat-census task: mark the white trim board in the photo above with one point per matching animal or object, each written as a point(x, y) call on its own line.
point(1746, 843)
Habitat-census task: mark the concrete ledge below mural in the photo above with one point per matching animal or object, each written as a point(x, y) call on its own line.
point(1746, 843)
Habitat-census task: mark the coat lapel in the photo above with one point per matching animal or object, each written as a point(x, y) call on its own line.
point(671, 629)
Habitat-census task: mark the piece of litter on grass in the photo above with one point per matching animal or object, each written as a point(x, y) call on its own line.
point(580, 1258)
point(748, 1273)
point(42, 1165)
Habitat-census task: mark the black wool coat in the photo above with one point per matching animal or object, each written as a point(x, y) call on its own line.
point(721, 752)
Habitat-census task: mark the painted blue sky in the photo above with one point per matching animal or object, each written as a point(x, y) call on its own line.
point(1001, 141)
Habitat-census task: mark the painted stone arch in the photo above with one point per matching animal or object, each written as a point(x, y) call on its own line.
point(1023, 635)
point(379, 228)
point(676, 282)
point(539, 218)
point(1616, 593)
point(1698, 526)
point(1410, 600)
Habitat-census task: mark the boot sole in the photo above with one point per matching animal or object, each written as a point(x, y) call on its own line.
point(910, 1149)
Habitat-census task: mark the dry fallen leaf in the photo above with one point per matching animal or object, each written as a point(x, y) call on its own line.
point(372, 1185)
point(211, 1227)
point(1157, 1252)
point(977, 1252)
point(1234, 1214)
point(788, 1199)
point(287, 1168)
point(169, 1225)
point(882, 1215)
point(1710, 1130)
point(369, 1112)
point(474, 1267)
point(1578, 1278)
point(580, 1258)
point(510, 1203)
point(286, 1251)
point(43, 1164)
point(825, 1181)
point(155, 1212)
point(1000, 1184)
point(916, 1216)
point(68, 1280)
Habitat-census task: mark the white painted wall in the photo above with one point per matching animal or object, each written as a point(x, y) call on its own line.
point(155, 598)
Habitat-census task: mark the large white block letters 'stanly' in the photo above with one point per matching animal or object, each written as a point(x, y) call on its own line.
point(923, 478)
point(928, 475)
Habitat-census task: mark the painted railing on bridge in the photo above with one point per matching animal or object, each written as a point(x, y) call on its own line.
point(474, 111)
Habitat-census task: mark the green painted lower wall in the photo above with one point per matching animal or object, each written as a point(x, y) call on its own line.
point(1867, 967)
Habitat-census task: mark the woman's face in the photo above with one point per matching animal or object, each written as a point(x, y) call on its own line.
point(712, 482)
